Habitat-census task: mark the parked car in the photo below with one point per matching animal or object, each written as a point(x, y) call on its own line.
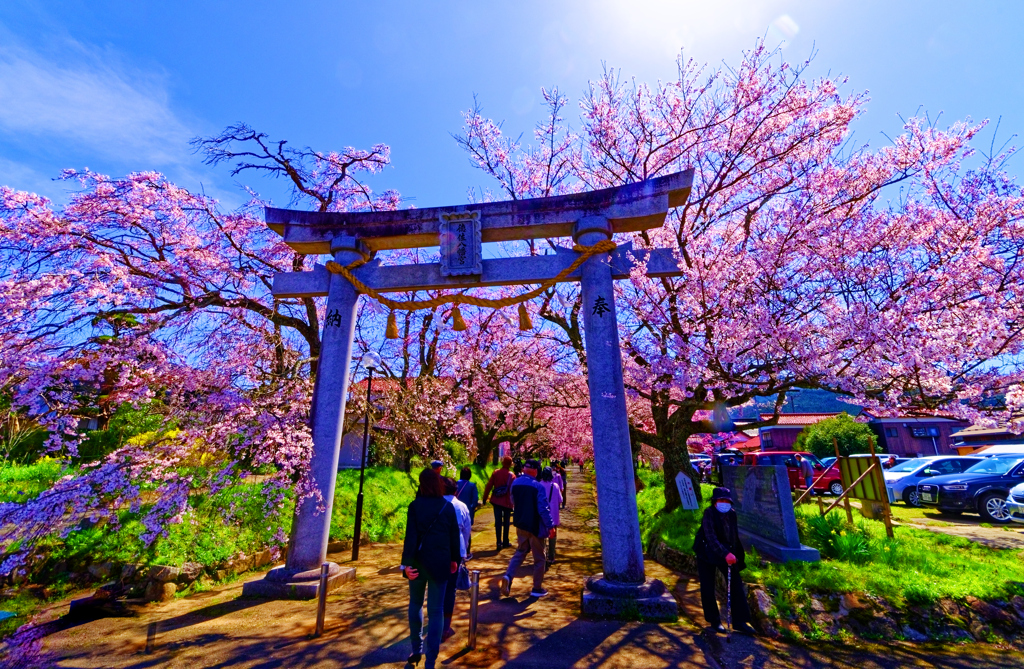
point(982, 489)
point(828, 462)
point(902, 479)
point(887, 460)
point(1015, 503)
point(831, 483)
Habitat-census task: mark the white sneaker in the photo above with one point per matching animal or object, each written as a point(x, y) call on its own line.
point(539, 593)
point(505, 586)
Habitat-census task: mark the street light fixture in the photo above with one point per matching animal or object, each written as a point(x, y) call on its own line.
point(370, 361)
point(792, 392)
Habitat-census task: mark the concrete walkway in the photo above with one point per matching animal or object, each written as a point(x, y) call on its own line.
point(366, 624)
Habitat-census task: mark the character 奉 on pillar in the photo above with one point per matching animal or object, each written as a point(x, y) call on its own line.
point(718, 548)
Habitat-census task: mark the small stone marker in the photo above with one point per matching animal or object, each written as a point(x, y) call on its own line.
point(461, 244)
point(686, 494)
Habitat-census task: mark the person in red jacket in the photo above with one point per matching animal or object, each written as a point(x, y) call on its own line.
point(500, 484)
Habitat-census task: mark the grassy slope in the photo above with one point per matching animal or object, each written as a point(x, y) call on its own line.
point(218, 527)
point(917, 566)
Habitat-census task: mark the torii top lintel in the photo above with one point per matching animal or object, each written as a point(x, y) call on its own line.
point(629, 208)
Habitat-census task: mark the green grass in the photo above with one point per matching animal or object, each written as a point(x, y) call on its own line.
point(219, 527)
point(20, 483)
point(917, 566)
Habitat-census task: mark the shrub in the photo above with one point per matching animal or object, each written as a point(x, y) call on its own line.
point(851, 436)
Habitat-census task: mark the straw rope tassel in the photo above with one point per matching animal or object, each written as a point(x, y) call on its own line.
point(392, 331)
point(457, 323)
point(605, 246)
point(524, 317)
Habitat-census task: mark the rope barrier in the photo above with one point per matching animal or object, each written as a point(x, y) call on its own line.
point(585, 252)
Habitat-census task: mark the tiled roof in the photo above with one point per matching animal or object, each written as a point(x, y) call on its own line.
point(798, 419)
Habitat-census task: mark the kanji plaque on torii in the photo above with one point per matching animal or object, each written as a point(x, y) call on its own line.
point(589, 219)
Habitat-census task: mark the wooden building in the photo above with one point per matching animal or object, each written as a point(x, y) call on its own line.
point(782, 435)
point(916, 436)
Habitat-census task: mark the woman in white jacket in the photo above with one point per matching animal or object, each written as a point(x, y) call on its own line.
point(554, 493)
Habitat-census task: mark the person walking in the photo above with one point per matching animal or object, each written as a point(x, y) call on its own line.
point(554, 495)
point(430, 556)
point(469, 495)
point(807, 470)
point(465, 534)
point(563, 482)
point(532, 518)
point(718, 548)
point(500, 484)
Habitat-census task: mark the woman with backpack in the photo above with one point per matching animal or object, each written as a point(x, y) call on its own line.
point(554, 494)
point(500, 484)
point(718, 548)
point(430, 555)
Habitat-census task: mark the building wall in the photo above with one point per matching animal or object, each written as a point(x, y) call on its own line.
point(779, 437)
point(917, 438)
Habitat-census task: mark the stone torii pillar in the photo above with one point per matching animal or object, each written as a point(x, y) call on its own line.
point(623, 585)
point(307, 550)
point(622, 589)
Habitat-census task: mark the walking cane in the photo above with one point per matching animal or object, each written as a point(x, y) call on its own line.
point(728, 603)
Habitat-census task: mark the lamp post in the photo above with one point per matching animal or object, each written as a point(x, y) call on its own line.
point(370, 361)
point(792, 399)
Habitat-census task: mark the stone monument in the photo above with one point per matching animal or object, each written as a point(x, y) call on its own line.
point(764, 510)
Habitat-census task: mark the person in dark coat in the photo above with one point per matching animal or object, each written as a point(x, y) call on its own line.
point(429, 556)
point(467, 493)
point(532, 518)
point(718, 548)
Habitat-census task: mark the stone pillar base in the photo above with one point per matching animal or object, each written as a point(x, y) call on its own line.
point(648, 601)
point(284, 583)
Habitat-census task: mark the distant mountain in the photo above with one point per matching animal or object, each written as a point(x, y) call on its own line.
point(805, 401)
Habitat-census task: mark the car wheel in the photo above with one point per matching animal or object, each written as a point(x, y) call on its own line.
point(993, 509)
point(911, 497)
point(836, 488)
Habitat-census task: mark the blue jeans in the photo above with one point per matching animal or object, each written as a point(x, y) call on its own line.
point(435, 620)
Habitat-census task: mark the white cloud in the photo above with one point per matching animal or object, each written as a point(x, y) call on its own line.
point(91, 103)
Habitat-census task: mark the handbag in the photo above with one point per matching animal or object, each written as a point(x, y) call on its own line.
point(501, 490)
point(462, 578)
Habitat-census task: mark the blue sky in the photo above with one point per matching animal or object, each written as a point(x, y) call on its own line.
point(123, 86)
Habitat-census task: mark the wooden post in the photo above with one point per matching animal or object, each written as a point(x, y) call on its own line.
point(883, 493)
point(846, 499)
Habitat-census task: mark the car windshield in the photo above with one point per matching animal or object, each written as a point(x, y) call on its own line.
point(909, 465)
point(994, 466)
point(814, 460)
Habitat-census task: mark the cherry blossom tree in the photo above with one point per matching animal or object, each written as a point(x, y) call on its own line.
point(889, 275)
point(139, 291)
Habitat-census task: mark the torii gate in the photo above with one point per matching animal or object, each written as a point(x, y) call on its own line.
point(588, 218)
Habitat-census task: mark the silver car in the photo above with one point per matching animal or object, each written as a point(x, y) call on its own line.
point(1015, 503)
point(903, 478)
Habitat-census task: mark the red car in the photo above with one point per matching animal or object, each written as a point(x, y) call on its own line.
point(831, 483)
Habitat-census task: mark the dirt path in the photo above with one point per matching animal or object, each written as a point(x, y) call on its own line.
point(1009, 537)
point(366, 624)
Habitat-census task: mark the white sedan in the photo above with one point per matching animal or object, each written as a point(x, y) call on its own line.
point(1015, 503)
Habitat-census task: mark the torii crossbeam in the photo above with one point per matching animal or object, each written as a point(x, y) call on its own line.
point(588, 218)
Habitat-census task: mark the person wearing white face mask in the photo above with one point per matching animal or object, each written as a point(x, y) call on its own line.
point(718, 548)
